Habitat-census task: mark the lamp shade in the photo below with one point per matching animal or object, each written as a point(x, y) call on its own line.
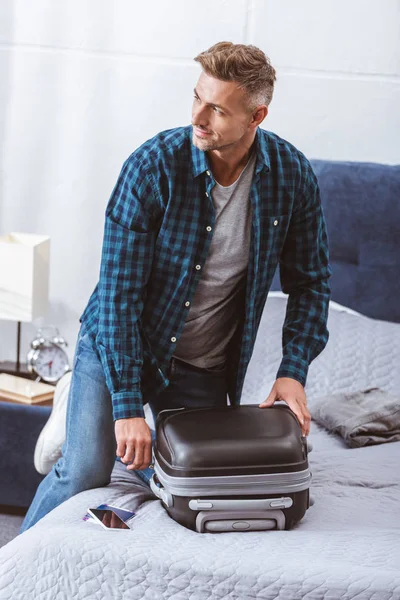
point(24, 276)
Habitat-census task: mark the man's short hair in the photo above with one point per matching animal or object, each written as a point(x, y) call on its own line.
point(245, 64)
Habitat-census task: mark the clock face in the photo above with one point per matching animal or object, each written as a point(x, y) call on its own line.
point(51, 362)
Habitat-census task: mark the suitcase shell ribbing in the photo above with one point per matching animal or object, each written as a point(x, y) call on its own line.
point(231, 468)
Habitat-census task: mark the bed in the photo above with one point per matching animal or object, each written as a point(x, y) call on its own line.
point(348, 544)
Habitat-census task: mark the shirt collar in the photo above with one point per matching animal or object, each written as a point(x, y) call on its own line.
point(200, 161)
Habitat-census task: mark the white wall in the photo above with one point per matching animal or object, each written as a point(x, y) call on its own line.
point(84, 82)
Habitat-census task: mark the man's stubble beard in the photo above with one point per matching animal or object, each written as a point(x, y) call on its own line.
point(207, 145)
point(203, 144)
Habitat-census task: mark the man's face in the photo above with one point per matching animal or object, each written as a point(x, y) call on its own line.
point(221, 126)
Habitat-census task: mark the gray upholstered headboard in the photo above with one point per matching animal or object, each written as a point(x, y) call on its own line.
point(361, 204)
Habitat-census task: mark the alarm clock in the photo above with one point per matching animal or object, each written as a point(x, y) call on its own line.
point(47, 357)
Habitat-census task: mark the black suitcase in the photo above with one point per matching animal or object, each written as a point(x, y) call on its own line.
point(233, 468)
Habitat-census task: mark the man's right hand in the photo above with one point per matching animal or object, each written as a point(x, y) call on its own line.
point(133, 437)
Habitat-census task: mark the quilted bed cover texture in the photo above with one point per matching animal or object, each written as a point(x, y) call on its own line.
point(346, 547)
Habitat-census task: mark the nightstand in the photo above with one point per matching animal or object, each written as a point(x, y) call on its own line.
point(11, 369)
point(20, 426)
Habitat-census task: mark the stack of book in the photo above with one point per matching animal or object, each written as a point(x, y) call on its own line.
point(20, 389)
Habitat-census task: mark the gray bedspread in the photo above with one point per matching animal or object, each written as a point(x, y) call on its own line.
point(346, 547)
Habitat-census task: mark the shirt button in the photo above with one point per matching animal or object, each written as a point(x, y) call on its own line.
point(187, 303)
point(207, 194)
point(173, 339)
point(198, 267)
point(208, 228)
point(275, 222)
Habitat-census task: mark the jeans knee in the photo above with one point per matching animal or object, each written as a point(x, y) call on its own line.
point(90, 480)
point(83, 476)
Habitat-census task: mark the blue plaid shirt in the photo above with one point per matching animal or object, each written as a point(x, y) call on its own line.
point(156, 241)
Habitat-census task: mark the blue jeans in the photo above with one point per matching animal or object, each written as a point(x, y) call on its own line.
point(89, 450)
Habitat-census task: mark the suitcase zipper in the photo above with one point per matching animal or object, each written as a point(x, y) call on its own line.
point(272, 483)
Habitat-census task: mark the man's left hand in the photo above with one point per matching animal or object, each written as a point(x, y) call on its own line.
point(292, 392)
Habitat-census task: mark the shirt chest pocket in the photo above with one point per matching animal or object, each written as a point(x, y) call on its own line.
point(272, 235)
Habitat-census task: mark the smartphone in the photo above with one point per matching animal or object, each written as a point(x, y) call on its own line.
point(123, 513)
point(108, 518)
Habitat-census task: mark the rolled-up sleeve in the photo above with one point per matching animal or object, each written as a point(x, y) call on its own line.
point(304, 274)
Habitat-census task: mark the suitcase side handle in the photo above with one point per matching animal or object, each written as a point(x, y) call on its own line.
point(161, 493)
point(240, 520)
point(241, 504)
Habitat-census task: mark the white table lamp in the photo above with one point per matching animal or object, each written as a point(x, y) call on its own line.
point(24, 279)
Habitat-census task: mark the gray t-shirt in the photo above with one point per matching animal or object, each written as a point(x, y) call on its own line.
point(213, 316)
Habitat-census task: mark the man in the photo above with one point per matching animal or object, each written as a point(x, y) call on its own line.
point(195, 228)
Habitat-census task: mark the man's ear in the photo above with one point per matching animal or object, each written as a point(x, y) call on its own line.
point(260, 114)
